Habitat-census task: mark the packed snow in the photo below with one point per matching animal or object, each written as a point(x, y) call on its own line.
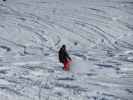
point(99, 38)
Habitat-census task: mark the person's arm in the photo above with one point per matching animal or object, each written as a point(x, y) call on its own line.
point(68, 56)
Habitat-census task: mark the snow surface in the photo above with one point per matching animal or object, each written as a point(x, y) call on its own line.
point(99, 38)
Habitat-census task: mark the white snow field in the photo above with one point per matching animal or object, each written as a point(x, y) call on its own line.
point(99, 38)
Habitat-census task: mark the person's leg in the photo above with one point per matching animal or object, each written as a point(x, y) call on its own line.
point(66, 65)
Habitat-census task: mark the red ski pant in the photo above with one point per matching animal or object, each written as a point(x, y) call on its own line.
point(66, 65)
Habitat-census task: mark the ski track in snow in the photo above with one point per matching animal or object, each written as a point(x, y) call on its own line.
point(98, 35)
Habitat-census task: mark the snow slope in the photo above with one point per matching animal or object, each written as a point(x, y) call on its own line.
point(98, 35)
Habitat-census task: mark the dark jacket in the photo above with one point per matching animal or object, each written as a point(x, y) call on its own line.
point(63, 55)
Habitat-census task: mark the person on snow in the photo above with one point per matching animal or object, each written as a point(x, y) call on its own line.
point(64, 57)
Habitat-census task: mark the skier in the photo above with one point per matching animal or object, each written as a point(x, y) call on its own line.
point(64, 58)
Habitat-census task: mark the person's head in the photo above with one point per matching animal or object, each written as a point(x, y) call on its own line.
point(64, 46)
